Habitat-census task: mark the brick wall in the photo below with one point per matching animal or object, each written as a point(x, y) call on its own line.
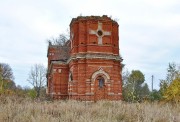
point(94, 54)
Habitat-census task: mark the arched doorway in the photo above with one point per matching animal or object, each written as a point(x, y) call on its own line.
point(99, 88)
point(100, 81)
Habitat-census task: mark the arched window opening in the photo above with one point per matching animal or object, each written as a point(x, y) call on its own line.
point(70, 76)
point(101, 82)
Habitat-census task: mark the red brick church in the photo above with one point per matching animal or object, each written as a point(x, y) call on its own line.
point(91, 67)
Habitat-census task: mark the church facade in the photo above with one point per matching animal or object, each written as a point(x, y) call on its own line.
point(92, 67)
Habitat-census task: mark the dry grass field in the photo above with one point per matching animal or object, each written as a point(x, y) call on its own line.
point(18, 109)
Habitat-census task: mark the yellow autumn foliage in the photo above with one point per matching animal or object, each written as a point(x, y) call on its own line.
point(172, 94)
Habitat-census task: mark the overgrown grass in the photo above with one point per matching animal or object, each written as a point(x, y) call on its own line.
point(18, 109)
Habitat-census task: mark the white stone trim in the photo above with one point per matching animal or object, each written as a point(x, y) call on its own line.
point(111, 93)
point(91, 65)
point(104, 33)
point(89, 93)
point(88, 80)
point(100, 72)
point(59, 70)
point(72, 93)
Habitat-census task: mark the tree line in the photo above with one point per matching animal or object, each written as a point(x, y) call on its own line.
point(37, 78)
point(135, 90)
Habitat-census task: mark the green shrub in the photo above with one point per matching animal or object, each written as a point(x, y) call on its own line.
point(32, 93)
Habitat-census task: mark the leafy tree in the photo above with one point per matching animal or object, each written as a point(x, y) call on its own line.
point(173, 72)
point(37, 77)
point(133, 90)
point(155, 95)
point(136, 78)
point(163, 86)
point(173, 91)
point(144, 91)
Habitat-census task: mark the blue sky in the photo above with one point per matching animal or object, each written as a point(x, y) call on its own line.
point(149, 32)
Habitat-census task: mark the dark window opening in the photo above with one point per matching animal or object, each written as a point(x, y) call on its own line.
point(100, 33)
point(70, 76)
point(101, 82)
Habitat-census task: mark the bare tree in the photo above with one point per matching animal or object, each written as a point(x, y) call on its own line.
point(62, 46)
point(6, 72)
point(61, 40)
point(37, 77)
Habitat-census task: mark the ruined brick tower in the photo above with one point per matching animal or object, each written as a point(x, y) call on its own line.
point(92, 70)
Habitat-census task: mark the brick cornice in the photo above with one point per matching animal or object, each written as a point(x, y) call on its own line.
point(95, 56)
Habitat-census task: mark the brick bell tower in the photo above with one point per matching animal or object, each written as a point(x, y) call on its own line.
point(94, 63)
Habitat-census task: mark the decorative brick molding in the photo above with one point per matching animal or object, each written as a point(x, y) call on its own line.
point(95, 56)
point(102, 73)
point(100, 33)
